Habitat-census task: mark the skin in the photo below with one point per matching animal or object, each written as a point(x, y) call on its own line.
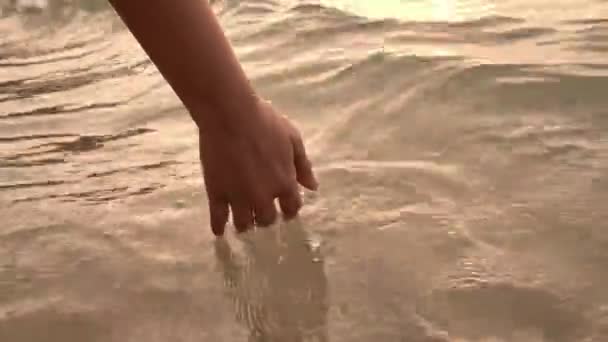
point(250, 154)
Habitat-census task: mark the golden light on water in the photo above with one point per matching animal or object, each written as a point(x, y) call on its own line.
point(416, 10)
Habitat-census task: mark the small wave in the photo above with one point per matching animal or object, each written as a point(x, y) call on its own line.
point(556, 86)
point(488, 21)
point(59, 109)
point(30, 185)
point(254, 8)
point(29, 88)
point(437, 35)
point(591, 21)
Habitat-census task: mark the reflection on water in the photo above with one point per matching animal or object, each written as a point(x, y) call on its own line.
point(417, 10)
point(461, 149)
point(277, 284)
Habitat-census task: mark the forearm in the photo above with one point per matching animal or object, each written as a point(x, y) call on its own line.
point(184, 40)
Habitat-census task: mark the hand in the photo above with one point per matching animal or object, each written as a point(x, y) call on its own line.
point(247, 171)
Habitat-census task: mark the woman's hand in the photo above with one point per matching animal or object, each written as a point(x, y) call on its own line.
point(248, 170)
point(250, 154)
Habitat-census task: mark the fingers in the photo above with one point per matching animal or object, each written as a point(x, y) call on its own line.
point(218, 212)
point(265, 213)
point(290, 202)
point(242, 216)
point(252, 202)
point(304, 173)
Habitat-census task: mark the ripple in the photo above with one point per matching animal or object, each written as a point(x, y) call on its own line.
point(144, 167)
point(264, 289)
point(31, 185)
point(60, 109)
point(33, 87)
point(21, 63)
point(44, 154)
point(34, 137)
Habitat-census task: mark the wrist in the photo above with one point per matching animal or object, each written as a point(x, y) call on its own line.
point(225, 116)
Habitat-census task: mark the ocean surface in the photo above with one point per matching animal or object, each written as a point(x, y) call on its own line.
point(461, 146)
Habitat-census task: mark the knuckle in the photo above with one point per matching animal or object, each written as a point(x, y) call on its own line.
point(259, 199)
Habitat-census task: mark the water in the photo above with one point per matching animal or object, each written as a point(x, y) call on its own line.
point(461, 148)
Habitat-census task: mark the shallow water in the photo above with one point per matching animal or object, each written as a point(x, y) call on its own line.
point(461, 147)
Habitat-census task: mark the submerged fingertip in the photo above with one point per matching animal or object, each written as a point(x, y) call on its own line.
point(290, 216)
point(217, 230)
point(243, 227)
point(314, 186)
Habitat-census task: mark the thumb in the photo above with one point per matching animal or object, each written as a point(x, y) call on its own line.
point(304, 172)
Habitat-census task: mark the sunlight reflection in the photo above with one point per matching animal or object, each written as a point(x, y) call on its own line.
point(416, 10)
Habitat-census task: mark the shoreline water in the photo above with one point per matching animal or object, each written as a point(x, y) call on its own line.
point(462, 163)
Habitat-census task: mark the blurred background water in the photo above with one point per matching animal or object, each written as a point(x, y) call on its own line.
point(461, 147)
